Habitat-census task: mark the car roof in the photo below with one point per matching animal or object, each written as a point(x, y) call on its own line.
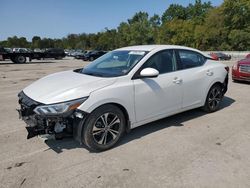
point(159, 47)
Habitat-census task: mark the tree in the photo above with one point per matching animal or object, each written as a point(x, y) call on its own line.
point(212, 34)
point(236, 13)
point(198, 11)
point(36, 42)
point(199, 25)
point(237, 21)
point(174, 11)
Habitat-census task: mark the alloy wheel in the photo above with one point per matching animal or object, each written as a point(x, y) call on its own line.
point(214, 98)
point(106, 128)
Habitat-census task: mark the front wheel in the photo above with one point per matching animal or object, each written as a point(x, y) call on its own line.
point(213, 99)
point(103, 128)
point(20, 59)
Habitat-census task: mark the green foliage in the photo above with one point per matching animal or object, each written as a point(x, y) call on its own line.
point(175, 11)
point(198, 25)
point(16, 42)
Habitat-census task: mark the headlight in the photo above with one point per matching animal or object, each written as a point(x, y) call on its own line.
point(60, 108)
point(235, 67)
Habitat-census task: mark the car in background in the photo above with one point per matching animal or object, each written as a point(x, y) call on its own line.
point(220, 56)
point(38, 50)
point(124, 89)
point(66, 51)
point(79, 55)
point(241, 70)
point(248, 56)
point(74, 53)
point(21, 50)
point(92, 55)
point(9, 50)
point(55, 53)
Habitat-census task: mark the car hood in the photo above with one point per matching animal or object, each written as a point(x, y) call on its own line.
point(244, 62)
point(65, 86)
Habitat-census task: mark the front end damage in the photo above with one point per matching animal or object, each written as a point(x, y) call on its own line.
point(59, 126)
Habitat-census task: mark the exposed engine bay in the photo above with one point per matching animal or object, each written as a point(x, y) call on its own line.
point(60, 126)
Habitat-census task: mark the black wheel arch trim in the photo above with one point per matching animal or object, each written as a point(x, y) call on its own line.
point(79, 123)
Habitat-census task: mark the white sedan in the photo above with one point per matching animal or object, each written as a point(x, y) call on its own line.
point(121, 90)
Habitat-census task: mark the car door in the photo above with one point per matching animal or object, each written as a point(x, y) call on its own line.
point(47, 53)
point(196, 77)
point(160, 96)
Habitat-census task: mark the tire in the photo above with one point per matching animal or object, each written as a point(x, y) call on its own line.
point(13, 59)
point(92, 59)
point(99, 135)
point(213, 99)
point(59, 57)
point(20, 59)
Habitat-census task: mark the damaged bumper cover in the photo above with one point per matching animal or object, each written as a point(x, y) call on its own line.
point(68, 124)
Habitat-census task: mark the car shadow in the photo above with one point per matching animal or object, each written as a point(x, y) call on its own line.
point(241, 82)
point(176, 120)
point(65, 144)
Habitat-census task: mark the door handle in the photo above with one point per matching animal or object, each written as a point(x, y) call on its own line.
point(210, 73)
point(177, 80)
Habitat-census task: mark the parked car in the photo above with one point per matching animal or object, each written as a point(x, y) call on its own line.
point(92, 55)
point(55, 53)
point(37, 50)
point(9, 50)
point(79, 55)
point(123, 89)
point(21, 50)
point(241, 70)
point(220, 56)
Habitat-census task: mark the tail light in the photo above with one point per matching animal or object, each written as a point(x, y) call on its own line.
point(227, 68)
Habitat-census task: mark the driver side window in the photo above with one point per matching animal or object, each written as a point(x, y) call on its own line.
point(163, 61)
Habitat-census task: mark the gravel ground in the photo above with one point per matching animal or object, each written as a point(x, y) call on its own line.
point(191, 149)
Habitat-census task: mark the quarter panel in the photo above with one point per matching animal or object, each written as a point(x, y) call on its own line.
point(219, 75)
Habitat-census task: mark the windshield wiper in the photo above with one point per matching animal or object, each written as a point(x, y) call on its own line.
point(93, 74)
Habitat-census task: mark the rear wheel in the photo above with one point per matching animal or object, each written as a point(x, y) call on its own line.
point(91, 58)
point(59, 57)
point(104, 128)
point(20, 59)
point(213, 99)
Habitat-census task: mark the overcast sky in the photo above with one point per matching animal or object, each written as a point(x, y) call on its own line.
point(57, 18)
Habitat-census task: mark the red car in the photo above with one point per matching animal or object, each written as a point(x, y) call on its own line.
point(220, 56)
point(241, 70)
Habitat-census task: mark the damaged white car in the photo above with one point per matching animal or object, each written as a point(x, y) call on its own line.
point(121, 90)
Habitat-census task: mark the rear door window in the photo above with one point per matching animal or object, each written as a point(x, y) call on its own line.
point(190, 59)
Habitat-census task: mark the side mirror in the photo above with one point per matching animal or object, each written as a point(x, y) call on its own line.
point(149, 73)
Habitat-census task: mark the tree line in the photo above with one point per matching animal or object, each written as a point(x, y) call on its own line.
point(198, 25)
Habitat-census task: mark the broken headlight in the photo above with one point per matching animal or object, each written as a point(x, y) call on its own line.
point(59, 108)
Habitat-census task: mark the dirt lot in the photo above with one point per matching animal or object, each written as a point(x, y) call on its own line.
point(192, 149)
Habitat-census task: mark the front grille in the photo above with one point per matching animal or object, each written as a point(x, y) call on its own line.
point(245, 68)
point(27, 104)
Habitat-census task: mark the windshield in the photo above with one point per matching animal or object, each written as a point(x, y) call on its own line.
point(115, 63)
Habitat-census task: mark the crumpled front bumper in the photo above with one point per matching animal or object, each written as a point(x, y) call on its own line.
point(67, 125)
point(34, 126)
